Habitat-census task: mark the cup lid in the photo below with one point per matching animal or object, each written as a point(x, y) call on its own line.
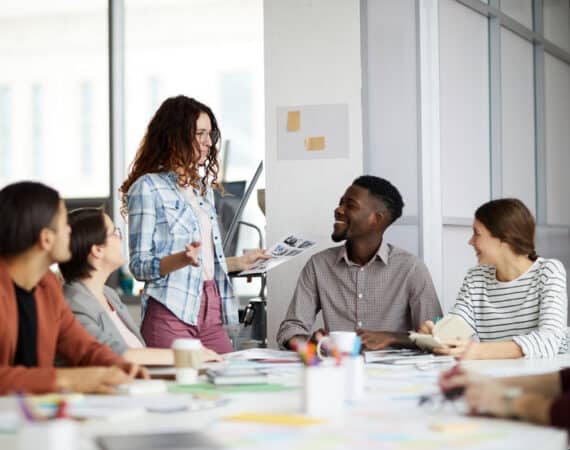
point(186, 344)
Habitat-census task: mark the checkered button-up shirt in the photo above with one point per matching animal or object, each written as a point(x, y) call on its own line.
point(162, 222)
point(392, 292)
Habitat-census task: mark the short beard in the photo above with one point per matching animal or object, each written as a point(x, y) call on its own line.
point(338, 237)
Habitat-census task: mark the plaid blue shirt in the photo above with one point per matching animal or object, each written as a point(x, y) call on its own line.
point(162, 222)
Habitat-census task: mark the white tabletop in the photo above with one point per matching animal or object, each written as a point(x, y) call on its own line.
point(388, 417)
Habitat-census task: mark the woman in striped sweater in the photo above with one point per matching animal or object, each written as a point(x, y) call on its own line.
point(515, 301)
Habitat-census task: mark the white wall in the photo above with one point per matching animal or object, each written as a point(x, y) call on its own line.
point(312, 56)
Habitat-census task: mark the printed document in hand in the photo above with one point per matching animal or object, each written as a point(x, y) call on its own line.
point(289, 247)
point(449, 328)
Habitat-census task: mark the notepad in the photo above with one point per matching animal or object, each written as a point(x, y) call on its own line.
point(450, 328)
point(237, 375)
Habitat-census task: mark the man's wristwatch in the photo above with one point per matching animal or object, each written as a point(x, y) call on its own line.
point(509, 397)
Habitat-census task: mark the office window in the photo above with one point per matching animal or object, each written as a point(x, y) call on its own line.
point(86, 123)
point(47, 51)
point(519, 10)
point(236, 110)
point(464, 109)
point(557, 131)
point(557, 22)
point(37, 131)
point(518, 139)
point(191, 47)
point(154, 95)
point(5, 131)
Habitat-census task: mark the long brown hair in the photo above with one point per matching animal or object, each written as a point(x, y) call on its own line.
point(509, 220)
point(170, 144)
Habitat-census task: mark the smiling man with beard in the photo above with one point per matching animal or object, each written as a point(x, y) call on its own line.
point(367, 285)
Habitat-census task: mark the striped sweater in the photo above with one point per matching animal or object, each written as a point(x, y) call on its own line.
point(530, 310)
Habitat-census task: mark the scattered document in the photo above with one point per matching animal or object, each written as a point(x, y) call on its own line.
point(256, 354)
point(389, 354)
point(237, 375)
point(112, 407)
point(289, 247)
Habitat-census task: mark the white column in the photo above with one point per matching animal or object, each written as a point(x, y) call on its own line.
point(312, 57)
point(431, 224)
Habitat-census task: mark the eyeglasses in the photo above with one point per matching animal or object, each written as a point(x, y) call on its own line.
point(116, 232)
point(202, 135)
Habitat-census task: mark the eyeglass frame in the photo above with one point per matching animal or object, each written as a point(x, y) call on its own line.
point(116, 232)
point(214, 135)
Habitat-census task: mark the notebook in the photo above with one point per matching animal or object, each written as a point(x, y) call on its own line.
point(449, 328)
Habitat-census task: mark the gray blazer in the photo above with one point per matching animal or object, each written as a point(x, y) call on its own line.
point(93, 317)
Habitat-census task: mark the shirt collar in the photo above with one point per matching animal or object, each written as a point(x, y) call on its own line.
point(382, 253)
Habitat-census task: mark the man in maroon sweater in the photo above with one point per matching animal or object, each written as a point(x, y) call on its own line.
point(542, 399)
point(35, 321)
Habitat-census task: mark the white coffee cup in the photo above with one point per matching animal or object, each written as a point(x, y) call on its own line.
point(187, 359)
point(342, 340)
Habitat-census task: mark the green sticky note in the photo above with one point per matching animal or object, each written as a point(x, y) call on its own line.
point(208, 388)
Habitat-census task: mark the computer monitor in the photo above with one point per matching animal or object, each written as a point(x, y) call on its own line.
point(227, 204)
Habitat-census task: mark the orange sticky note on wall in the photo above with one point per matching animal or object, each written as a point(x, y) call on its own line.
point(293, 120)
point(315, 143)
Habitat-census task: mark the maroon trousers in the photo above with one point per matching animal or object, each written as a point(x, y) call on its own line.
point(160, 327)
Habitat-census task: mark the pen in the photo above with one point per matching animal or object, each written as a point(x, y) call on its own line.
point(456, 392)
point(61, 412)
point(356, 346)
point(25, 408)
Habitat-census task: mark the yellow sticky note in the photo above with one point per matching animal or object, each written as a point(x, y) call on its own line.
point(294, 420)
point(315, 143)
point(293, 120)
point(454, 427)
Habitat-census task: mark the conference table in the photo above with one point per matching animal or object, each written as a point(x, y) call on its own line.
point(388, 416)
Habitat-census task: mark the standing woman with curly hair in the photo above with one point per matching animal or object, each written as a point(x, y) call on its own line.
point(174, 239)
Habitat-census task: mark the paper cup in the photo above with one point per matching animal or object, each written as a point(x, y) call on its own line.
point(187, 359)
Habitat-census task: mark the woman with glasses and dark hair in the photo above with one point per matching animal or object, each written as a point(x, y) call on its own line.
point(514, 300)
point(96, 250)
point(174, 240)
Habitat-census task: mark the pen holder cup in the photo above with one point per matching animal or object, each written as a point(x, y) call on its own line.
point(355, 377)
point(57, 434)
point(324, 391)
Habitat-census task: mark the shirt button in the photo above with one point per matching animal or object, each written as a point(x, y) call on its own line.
point(359, 295)
point(215, 238)
point(362, 269)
